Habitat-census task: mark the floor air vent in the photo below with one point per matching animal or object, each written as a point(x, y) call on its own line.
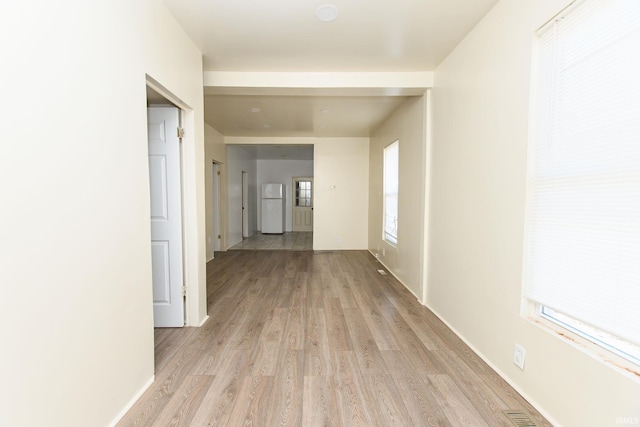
point(520, 418)
point(382, 272)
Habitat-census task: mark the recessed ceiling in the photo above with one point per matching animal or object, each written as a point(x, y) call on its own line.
point(286, 36)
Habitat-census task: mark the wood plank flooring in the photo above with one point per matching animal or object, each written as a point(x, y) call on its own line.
point(290, 240)
point(318, 339)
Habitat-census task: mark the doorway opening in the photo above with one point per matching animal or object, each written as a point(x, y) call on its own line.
point(157, 97)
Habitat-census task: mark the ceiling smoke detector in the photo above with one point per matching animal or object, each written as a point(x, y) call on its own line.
point(327, 13)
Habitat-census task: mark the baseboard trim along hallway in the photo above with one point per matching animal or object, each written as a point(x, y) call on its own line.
point(305, 338)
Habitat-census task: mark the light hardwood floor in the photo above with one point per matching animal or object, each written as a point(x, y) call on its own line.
point(291, 241)
point(318, 339)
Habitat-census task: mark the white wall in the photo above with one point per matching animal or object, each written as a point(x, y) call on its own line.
point(340, 218)
point(76, 320)
point(480, 128)
point(215, 150)
point(404, 260)
point(282, 172)
point(238, 160)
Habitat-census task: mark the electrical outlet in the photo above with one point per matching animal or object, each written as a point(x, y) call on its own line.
point(518, 356)
point(384, 252)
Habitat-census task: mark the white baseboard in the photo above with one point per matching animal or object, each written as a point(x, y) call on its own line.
point(475, 350)
point(204, 320)
point(132, 401)
point(394, 275)
point(498, 371)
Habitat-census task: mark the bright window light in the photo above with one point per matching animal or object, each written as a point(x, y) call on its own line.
point(390, 209)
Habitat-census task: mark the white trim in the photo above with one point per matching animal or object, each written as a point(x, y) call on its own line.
point(203, 321)
point(394, 275)
point(373, 83)
point(480, 355)
point(155, 85)
point(623, 366)
point(426, 179)
point(520, 391)
point(132, 402)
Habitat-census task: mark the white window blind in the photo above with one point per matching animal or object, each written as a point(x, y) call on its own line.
point(583, 212)
point(390, 208)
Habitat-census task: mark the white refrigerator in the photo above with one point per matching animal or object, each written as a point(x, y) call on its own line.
point(273, 208)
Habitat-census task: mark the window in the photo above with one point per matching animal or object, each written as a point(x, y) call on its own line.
point(303, 193)
point(390, 193)
point(582, 248)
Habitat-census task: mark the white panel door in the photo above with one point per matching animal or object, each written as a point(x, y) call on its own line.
point(166, 216)
point(302, 215)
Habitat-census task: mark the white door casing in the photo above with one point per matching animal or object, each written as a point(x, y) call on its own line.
point(245, 204)
point(302, 211)
point(217, 235)
point(166, 216)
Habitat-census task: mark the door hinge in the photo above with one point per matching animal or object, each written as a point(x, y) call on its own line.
point(218, 172)
point(219, 236)
point(180, 133)
point(184, 291)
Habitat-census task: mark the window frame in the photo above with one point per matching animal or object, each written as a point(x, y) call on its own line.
point(303, 194)
point(622, 355)
point(387, 235)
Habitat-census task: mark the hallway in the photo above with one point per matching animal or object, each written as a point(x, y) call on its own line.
point(304, 339)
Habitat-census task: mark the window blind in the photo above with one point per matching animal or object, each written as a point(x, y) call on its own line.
point(390, 171)
point(582, 248)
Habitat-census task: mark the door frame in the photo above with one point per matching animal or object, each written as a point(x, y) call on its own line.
point(217, 224)
point(193, 259)
point(245, 204)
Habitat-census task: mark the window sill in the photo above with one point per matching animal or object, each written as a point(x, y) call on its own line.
point(591, 349)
